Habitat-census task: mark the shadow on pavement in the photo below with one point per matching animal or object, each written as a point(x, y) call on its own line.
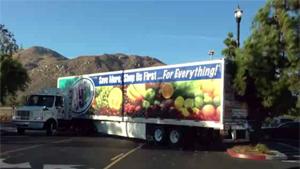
point(190, 146)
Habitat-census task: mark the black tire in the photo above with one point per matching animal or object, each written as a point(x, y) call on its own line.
point(21, 131)
point(50, 128)
point(175, 137)
point(267, 137)
point(159, 135)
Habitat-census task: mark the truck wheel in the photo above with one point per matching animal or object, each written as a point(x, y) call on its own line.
point(51, 128)
point(159, 135)
point(175, 137)
point(21, 131)
point(267, 137)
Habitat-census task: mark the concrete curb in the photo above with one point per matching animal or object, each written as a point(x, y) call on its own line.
point(277, 156)
point(245, 156)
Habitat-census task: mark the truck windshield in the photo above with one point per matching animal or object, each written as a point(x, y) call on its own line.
point(40, 100)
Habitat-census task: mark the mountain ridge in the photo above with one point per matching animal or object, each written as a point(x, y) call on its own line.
point(45, 65)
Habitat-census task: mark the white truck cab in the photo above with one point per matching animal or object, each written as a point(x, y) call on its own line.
point(41, 112)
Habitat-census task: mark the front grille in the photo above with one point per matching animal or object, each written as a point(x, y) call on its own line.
point(23, 115)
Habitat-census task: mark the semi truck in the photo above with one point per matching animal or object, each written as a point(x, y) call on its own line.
point(162, 104)
point(43, 110)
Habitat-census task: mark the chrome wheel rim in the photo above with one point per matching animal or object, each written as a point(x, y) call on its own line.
point(174, 136)
point(158, 135)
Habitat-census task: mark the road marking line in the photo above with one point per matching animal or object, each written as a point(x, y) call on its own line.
point(19, 165)
point(62, 141)
point(122, 157)
point(117, 156)
point(63, 166)
point(14, 136)
point(291, 161)
point(20, 149)
point(30, 147)
point(289, 146)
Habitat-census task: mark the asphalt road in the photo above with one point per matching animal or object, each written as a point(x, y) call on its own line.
point(35, 150)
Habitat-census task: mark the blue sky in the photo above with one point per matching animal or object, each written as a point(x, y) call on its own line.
point(172, 31)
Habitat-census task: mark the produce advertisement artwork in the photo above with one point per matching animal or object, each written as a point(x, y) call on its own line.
point(187, 92)
point(193, 100)
point(191, 92)
point(108, 98)
point(108, 101)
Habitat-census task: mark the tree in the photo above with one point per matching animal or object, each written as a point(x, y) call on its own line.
point(13, 76)
point(231, 44)
point(267, 74)
point(230, 55)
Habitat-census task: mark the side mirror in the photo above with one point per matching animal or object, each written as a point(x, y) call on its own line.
point(45, 108)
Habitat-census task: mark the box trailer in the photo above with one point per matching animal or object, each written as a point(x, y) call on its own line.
point(164, 103)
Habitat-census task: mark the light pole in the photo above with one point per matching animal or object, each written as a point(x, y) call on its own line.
point(211, 53)
point(238, 17)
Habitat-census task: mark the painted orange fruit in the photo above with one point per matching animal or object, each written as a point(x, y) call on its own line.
point(208, 111)
point(167, 90)
point(207, 86)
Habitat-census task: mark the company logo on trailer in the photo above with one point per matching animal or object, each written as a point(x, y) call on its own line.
point(82, 95)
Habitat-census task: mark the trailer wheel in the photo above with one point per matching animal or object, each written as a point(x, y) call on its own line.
point(50, 128)
point(21, 131)
point(175, 137)
point(159, 135)
point(267, 136)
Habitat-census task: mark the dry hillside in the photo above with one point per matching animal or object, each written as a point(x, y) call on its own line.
point(45, 65)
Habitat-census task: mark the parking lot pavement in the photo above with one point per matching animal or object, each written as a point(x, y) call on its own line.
point(292, 143)
point(35, 150)
point(38, 151)
point(6, 128)
point(288, 147)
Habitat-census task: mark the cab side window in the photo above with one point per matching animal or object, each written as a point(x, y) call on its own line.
point(59, 101)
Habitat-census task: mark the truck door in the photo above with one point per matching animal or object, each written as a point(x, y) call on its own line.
point(59, 106)
point(47, 101)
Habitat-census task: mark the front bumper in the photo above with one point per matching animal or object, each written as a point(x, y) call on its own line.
point(35, 125)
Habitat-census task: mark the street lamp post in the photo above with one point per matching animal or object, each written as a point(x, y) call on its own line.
point(238, 17)
point(211, 53)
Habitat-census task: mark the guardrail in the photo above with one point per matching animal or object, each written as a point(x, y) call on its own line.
point(6, 114)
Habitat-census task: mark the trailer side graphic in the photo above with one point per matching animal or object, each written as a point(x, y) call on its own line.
point(187, 94)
